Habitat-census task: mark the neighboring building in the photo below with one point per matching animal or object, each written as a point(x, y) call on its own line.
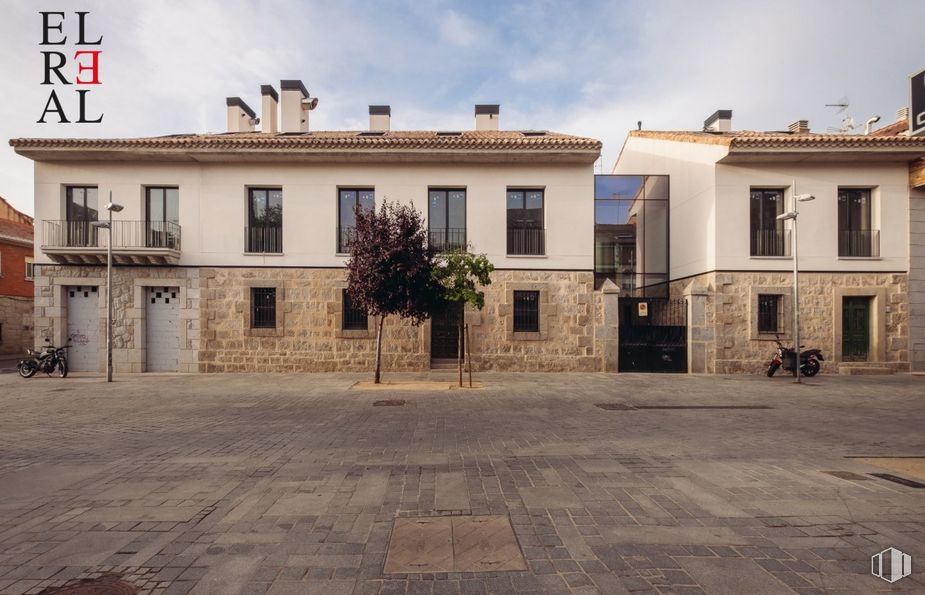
point(230, 249)
point(16, 287)
point(861, 242)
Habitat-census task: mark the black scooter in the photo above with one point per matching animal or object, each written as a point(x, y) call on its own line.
point(49, 359)
point(809, 360)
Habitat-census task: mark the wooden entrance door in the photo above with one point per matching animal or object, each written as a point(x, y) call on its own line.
point(855, 329)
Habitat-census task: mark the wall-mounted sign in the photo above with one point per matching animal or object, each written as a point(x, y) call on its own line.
point(917, 103)
point(643, 308)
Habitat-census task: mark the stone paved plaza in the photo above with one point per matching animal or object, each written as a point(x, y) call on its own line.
point(293, 484)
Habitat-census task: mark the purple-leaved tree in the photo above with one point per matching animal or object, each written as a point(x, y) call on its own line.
point(390, 271)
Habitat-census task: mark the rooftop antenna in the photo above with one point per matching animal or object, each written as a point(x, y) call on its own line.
point(847, 122)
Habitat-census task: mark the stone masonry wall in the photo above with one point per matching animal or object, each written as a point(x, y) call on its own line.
point(129, 287)
point(731, 311)
point(16, 315)
point(308, 336)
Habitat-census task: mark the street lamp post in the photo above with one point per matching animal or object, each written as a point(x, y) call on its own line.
point(111, 207)
point(792, 215)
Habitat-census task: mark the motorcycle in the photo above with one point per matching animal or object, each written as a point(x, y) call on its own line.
point(49, 359)
point(785, 356)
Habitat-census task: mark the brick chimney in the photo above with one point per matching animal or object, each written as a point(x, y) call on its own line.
point(380, 118)
point(269, 109)
point(487, 116)
point(241, 118)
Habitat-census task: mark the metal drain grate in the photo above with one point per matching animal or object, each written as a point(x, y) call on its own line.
point(104, 585)
point(657, 407)
point(847, 475)
point(390, 403)
point(614, 406)
point(900, 480)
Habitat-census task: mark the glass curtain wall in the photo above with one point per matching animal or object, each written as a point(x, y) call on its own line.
point(631, 233)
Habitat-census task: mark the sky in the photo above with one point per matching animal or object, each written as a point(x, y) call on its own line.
point(593, 68)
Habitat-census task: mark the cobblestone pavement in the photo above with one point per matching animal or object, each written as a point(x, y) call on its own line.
point(291, 484)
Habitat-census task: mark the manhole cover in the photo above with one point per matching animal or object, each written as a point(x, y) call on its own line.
point(390, 403)
point(900, 480)
point(104, 585)
point(847, 475)
point(614, 406)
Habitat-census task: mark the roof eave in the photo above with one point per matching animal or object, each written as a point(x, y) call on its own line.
point(739, 154)
point(54, 154)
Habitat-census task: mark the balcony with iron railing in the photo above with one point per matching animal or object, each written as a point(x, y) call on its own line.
point(526, 242)
point(859, 243)
point(770, 242)
point(133, 242)
point(447, 239)
point(263, 239)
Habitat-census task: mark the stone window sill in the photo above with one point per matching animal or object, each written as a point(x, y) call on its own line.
point(528, 336)
point(860, 258)
point(527, 256)
point(771, 257)
point(264, 332)
point(264, 253)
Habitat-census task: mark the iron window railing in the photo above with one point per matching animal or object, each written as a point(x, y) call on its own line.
point(526, 311)
point(770, 242)
point(346, 236)
point(526, 242)
point(859, 242)
point(125, 234)
point(448, 239)
point(353, 319)
point(266, 239)
point(263, 307)
point(769, 313)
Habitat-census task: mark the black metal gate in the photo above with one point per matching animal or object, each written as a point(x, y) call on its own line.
point(653, 335)
point(444, 331)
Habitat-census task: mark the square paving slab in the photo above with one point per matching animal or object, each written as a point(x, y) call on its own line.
point(453, 544)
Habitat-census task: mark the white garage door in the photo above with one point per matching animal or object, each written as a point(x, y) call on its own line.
point(83, 328)
point(163, 341)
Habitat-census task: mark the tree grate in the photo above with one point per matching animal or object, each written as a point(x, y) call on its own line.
point(390, 403)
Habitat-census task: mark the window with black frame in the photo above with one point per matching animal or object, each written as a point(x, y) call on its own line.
point(348, 201)
point(353, 318)
point(769, 313)
point(768, 236)
point(81, 210)
point(264, 233)
point(263, 307)
point(162, 217)
point(856, 236)
point(526, 235)
point(526, 311)
point(446, 219)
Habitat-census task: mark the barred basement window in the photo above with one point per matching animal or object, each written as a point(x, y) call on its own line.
point(526, 311)
point(353, 319)
point(769, 313)
point(263, 307)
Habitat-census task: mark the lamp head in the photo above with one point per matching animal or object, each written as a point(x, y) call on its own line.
point(787, 215)
point(115, 208)
point(804, 197)
point(100, 224)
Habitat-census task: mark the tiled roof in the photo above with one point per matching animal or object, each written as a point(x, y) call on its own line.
point(506, 141)
point(16, 231)
point(898, 127)
point(784, 140)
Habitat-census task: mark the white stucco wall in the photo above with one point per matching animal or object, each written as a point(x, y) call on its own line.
point(213, 204)
point(692, 186)
point(710, 215)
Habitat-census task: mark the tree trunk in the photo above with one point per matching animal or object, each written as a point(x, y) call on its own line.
point(379, 350)
point(459, 353)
